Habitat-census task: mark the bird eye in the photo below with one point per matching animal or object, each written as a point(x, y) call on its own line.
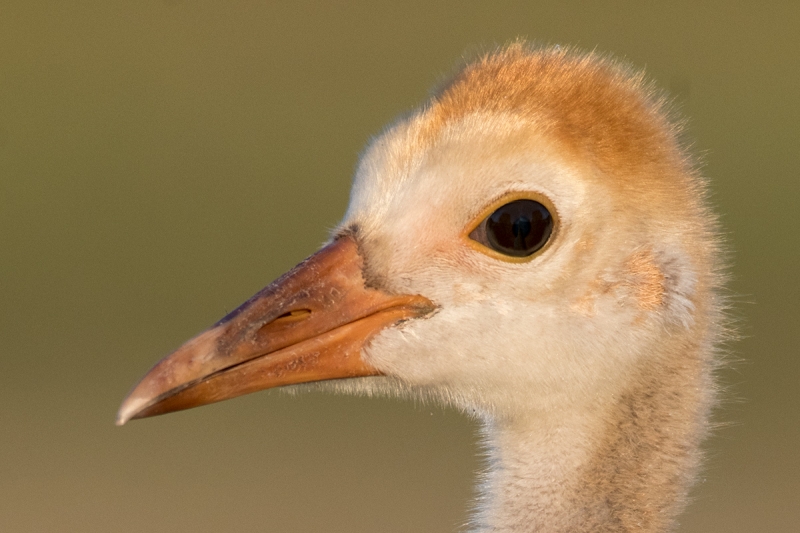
point(517, 229)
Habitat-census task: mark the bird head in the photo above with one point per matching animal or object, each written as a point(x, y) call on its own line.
point(523, 243)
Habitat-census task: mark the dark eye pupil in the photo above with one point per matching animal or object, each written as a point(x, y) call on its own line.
point(519, 228)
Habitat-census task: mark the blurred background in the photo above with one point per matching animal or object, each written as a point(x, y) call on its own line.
point(160, 161)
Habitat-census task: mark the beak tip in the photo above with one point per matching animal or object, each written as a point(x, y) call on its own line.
point(128, 411)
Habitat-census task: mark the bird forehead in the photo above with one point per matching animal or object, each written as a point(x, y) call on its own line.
point(471, 163)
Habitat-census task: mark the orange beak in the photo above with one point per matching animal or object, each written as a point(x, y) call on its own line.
point(309, 325)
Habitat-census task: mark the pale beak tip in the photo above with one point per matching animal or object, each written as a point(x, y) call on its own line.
point(128, 410)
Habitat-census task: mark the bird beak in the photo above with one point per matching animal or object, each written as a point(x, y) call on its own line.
point(309, 325)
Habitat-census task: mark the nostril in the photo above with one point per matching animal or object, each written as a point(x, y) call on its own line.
point(293, 316)
point(286, 319)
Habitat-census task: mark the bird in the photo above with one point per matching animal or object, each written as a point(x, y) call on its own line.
point(533, 246)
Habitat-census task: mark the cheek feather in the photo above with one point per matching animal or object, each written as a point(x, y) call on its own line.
point(646, 280)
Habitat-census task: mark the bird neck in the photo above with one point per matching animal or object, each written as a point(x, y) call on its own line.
point(624, 465)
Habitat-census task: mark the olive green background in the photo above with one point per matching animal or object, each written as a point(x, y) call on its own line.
point(161, 161)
